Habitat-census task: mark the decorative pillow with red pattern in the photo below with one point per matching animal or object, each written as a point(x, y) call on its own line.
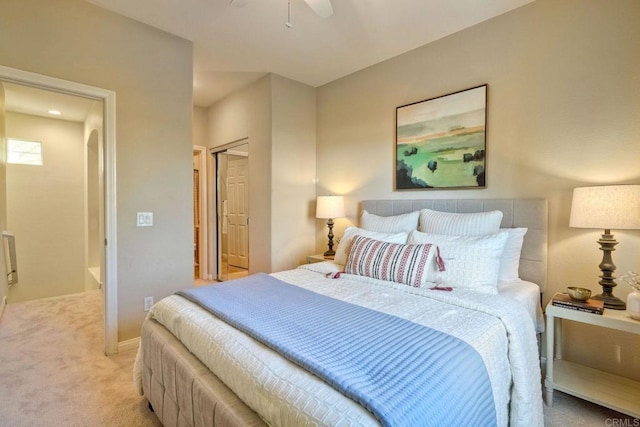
point(401, 263)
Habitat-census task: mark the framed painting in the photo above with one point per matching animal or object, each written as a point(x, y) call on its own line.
point(441, 142)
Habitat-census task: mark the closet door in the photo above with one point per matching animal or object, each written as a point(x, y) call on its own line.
point(238, 211)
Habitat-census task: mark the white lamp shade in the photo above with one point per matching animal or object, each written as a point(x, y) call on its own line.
point(330, 207)
point(606, 207)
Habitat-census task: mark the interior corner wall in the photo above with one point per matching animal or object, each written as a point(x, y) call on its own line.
point(246, 114)
point(151, 73)
point(562, 112)
point(293, 168)
point(200, 126)
point(45, 208)
point(277, 116)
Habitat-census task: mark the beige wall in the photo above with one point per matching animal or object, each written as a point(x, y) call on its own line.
point(151, 73)
point(200, 126)
point(293, 169)
point(45, 208)
point(247, 114)
point(563, 112)
point(277, 116)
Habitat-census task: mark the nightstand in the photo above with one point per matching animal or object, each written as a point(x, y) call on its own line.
point(613, 391)
point(317, 258)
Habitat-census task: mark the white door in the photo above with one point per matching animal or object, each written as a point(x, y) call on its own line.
point(238, 211)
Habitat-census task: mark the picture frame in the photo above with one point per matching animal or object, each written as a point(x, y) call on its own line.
point(441, 142)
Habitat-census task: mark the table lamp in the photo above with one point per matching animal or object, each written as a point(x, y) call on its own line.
point(329, 208)
point(607, 207)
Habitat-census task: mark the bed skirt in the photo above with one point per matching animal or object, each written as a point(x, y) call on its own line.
point(182, 391)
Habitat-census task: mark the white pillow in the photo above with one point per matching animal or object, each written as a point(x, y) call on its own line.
point(459, 224)
point(471, 262)
point(344, 246)
point(390, 224)
point(510, 260)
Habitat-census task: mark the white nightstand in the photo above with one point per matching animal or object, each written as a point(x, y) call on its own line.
point(317, 258)
point(612, 391)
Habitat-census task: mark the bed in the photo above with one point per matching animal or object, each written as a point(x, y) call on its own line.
point(196, 369)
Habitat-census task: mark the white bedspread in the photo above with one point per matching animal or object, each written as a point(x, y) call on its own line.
point(286, 395)
point(527, 294)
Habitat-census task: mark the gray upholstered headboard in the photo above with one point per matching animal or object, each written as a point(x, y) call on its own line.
point(529, 213)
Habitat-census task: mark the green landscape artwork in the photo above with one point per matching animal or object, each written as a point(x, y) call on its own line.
point(441, 142)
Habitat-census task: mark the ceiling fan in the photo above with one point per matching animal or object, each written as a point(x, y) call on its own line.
point(322, 8)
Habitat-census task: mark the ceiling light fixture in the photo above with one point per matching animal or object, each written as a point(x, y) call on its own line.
point(54, 112)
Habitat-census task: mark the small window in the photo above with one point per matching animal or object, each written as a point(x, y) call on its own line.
point(21, 152)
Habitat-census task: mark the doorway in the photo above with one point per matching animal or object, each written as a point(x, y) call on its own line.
point(232, 206)
point(108, 274)
point(53, 191)
point(201, 264)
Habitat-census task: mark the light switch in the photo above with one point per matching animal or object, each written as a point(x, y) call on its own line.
point(145, 219)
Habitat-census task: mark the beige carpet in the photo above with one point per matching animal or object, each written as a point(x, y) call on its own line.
point(571, 411)
point(53, 373)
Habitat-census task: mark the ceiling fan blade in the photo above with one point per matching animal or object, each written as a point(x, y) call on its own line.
point(322, 8)
point(238, 3)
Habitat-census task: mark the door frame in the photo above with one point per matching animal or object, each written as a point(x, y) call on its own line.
point(215, 256)
point(108, 97)
point(204, 212)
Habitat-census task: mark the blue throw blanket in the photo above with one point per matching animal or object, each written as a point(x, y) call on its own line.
point(405, 374)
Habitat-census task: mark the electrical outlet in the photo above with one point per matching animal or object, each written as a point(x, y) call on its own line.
point(148, 302)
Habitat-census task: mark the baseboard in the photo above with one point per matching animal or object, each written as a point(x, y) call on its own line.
point(128, 345)
point(2, 306)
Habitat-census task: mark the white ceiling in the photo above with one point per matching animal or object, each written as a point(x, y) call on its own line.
point(38, 102)
point(234, 46)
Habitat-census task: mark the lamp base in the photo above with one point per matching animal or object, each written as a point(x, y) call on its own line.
point(611, 302)
point(607, 245)
point(329, 254)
